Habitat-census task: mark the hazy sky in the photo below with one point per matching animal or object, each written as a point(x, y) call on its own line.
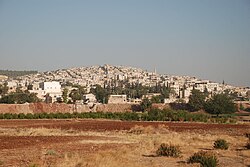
point(209, 39)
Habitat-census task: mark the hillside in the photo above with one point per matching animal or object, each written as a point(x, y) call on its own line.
point(15, 73)
point(95, 75)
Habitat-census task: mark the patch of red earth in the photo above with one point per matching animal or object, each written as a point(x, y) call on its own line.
point(28, 150)
point(47, 150)
point(13, 142)
point(111, 125)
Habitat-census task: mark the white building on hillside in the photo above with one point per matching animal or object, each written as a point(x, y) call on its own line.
point(51, 89)
point(150, 95)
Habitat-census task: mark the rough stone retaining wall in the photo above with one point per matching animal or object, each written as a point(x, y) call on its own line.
point(160, 106)
point(63, 108)
point(15, 108)
point(115, 107)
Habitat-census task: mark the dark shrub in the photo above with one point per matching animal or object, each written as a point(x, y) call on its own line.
point(221, 144)
point(247, 135)
point(247, 109)
point(36, 116)
point(7, 116)
point(21, 116)
point(50, 116)
point(14, 116)
point(205, 159)
point(29, 116)
point(168, 150)
point(248, 145)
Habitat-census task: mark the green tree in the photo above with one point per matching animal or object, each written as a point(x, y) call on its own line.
point(75, 95)
point(140, 90)
point(166, 91)
point(9, 99)
point(157, 99)
point(146, 104)
point(19, 98)
point(81, 89)
point(65, 95)
point(220, 104)
point(100, 93)
point(33, 98)
point(196, 100)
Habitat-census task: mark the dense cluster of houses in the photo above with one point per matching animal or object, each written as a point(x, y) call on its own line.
point(49, 84)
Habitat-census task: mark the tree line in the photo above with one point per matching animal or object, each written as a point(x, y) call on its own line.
point(153, 115)
point(102, 94)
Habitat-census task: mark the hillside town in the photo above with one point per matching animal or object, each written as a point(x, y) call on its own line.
point(50, 86)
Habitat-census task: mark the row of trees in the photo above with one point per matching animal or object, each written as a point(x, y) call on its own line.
point(102, 93)
point(132, 91)
point(154, 115)
point(218, 104)
point(19, 98)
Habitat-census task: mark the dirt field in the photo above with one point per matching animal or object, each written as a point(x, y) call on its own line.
point(105, 143)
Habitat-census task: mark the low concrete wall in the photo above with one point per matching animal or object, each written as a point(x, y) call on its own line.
point(64, 108)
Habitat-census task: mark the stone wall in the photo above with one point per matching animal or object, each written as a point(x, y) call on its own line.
point(64, 108)
point(160, 106)
point(15, 108)
point(114, 108)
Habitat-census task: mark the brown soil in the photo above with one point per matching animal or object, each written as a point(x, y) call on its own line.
point(48, 150)
point(13, 142)
point(109, 125)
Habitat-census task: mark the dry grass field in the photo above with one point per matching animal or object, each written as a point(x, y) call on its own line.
point(41, 143)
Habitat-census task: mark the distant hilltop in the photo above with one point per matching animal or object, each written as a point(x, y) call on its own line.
point(13, 74)
point(94, 75)
point(105, 74)
point(109, 76)
point(101, 74)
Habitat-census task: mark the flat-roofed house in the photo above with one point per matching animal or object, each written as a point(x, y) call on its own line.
point(117, 99)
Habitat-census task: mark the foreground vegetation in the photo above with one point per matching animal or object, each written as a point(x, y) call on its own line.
point(152, 115)
point(205, 158)
point(153, 146)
